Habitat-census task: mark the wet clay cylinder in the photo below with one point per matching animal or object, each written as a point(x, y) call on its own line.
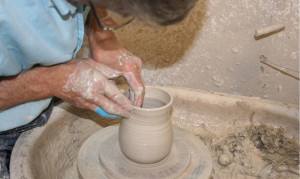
point(147, 136)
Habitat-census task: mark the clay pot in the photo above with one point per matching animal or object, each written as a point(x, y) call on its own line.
point(147, 136)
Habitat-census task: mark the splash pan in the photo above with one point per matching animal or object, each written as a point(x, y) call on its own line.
point(52, 151)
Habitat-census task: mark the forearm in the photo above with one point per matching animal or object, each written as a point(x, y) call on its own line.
point(103, 39)
point(29, 85)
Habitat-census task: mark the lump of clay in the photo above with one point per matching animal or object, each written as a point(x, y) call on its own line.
point(224, 159)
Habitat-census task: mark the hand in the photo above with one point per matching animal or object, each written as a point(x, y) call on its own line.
point(84, 82)
point(122, 62)
point(106, 50)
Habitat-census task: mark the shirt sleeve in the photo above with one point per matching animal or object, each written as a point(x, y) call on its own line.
point(8, 65)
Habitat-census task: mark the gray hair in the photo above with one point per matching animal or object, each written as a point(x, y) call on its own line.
point(161, 12)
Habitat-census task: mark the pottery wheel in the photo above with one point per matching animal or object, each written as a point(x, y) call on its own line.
point(100, 157)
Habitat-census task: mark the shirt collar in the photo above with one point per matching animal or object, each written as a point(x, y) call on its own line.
point(64, 7)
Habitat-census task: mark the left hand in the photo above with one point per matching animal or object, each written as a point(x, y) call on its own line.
point(116, 60)
point(122, 62)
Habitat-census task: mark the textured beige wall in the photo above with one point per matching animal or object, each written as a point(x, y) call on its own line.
point(214, 49)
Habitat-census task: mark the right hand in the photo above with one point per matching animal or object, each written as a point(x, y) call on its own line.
point(84, 83)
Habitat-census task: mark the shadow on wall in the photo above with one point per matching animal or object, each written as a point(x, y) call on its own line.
point(162, 46)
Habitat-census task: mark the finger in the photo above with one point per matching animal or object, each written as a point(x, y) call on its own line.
point(105, 70)
point(97, 109)
point(129, 57)
point(110, 106)
point(131, 95)
point(113, 93)
point(139, 96)
point(136, 84)
point(84, 104)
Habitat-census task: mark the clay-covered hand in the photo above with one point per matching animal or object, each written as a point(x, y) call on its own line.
point(106, 49)
point(85, 83)
point(126, 64)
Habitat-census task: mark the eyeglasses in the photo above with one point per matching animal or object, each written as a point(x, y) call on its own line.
point(119, 20)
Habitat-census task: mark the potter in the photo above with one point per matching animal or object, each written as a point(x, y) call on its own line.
point(147, 136)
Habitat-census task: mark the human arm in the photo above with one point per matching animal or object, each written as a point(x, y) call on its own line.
point(106, 49)
point(80, 82)
point(28, 85)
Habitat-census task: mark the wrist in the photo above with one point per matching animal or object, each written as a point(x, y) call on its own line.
point(43, 78)
point(103, 41)
point(101, 35)
point(57, 76)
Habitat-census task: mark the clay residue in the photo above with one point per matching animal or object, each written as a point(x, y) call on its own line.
point(254, 151)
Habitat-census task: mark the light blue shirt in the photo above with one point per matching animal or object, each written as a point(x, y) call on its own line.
point(43, 32)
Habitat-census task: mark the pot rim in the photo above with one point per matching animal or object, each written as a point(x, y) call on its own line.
point(169, 104)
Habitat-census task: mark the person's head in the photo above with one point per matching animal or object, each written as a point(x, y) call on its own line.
point(161, 12)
